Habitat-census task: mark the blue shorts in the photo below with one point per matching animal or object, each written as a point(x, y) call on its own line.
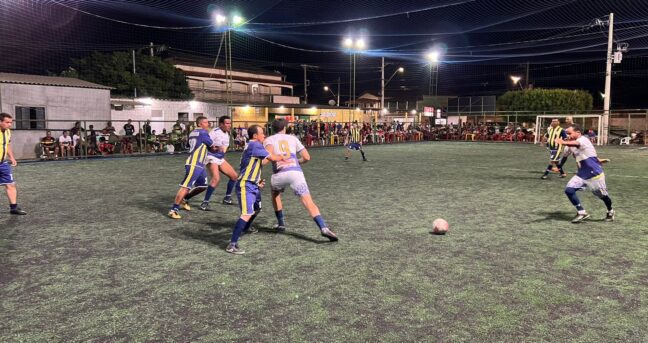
point(249, 198)
point(195, 177)
point(6, 176)
point(354, 146)
point(556, 154)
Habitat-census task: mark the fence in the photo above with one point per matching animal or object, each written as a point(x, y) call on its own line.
point(97, 138)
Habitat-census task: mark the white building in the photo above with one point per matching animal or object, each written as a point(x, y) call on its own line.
point(40, 103)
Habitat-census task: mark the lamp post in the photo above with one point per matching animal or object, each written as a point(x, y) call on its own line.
point(328, 89)
point(354, 46)
point(228, 24)
point(516, 81)
point(433, 57)
point(383, 84)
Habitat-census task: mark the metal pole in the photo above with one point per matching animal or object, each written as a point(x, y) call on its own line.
point(608, 82)
point(305, 85)
point(350, 79)
point(354, 79)
point(134, 87)
point(382, 85)
point(338, 92)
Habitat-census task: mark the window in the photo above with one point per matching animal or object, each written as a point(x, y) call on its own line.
point(28, 118)
point(183, 117)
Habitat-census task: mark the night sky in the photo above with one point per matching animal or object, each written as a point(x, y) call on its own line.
point(483, 42)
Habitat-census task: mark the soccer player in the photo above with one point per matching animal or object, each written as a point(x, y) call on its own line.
point(216, 161)
point(288, 173)
point(195, 177)
point(555, 149)
point(7, 161)
point(590, 173)
point(248, 188)
point(353, 141)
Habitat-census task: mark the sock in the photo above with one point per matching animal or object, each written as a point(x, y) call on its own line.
point(280, 218)
point(561, 170)
point(320, 222)
point(238, 230)
point(608, 202)
point(571, 194)
point(363, 156)
point(230, 188)
point(249, 223)
point(208, 193)
point(549, 168)
point(175, 207)
point(13, 206)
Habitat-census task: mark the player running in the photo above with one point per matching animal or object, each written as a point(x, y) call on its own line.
point(590, 174)
point(288, 173)
point(195, 177)
point(353, 141)
point(248, 188)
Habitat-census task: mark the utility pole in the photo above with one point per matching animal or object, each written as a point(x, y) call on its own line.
point(608, 82)
point(134, 87)
point(151, 48)
point(382, 86)
point(306, 66)
point(338, 92)
point(527, 76)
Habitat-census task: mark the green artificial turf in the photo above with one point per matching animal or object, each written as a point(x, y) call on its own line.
point(97, 260)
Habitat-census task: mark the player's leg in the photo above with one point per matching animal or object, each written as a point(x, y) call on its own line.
point(191, 174)
point(257, 209)
point(277, 185)
point(227, 169)
point(575, 184)
point(558, 161)
point(599, 189)
point(214, 179)
point(199, 186)
point(300, 187)
point(7, 180)
point(246, 196)
point(362, 153)
point(552, 163)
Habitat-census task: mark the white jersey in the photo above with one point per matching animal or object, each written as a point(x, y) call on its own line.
point(288, 146)
point(587, 159)
point(221, 139)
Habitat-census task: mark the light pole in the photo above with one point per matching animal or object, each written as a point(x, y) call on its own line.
point(354, 46)
point(516, 81)
point(384, 84)
point(228, 24)
point(327, 89)
point(433, 57)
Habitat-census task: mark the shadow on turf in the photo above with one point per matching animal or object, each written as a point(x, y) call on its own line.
point(265, 230)
point(562, 216)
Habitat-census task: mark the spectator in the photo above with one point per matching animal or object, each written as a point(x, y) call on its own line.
point(110, 128)
point(105, 147)
point(127, 139)
point(76, 129)
point(92, 141)
point(48, 146)
point(65, 145)
point(163, 138)
point(78, 143)
point(152, 142)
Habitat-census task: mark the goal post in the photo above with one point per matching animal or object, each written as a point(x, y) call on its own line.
point(586, 122)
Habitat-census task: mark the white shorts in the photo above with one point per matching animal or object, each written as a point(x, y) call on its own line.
point(595, 184)
point(295, 179)
point(214, 159)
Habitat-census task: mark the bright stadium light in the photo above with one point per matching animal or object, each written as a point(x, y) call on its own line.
point(413, 112)
point(515, 79)
point(433, 56)
point(348, 42)
point(361, 44)
point(401, 69)
point(220, 19)
point(237, 20)
point(326, 88)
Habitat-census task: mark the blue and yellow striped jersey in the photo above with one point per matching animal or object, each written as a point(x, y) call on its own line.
point(552, 134)
point(355, 136)
point(199, 143)
point(5, 139)
point(251, 162)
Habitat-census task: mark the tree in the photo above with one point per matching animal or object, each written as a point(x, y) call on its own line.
point(547, 100)
point(154, 77)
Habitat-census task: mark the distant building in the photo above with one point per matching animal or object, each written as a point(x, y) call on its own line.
point(39, 103)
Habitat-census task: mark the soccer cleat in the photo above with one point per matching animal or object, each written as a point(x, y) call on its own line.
point(174, 214)
point(365, 160)
point(563, 175)
point(609, 217)
point(280, 228)
point(233, 248)
point(185, 205)
point(18, 211)
point(252, 229)
point(228, 201)
point(543, 177)
point(326, 232)
point(205, 206)
point(580, 217)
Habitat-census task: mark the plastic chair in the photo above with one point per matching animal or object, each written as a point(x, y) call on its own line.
point(625, 140)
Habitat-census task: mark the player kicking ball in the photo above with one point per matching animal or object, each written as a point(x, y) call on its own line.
point(590, 174)
point(288, 173)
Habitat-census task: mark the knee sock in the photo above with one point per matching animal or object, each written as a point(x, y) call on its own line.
point(571, 194)
point(208, 193)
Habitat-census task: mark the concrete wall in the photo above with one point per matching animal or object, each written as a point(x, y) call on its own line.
point(62, 106)
point(164, 113)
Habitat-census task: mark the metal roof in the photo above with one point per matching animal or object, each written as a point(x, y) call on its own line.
point(57, 81)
